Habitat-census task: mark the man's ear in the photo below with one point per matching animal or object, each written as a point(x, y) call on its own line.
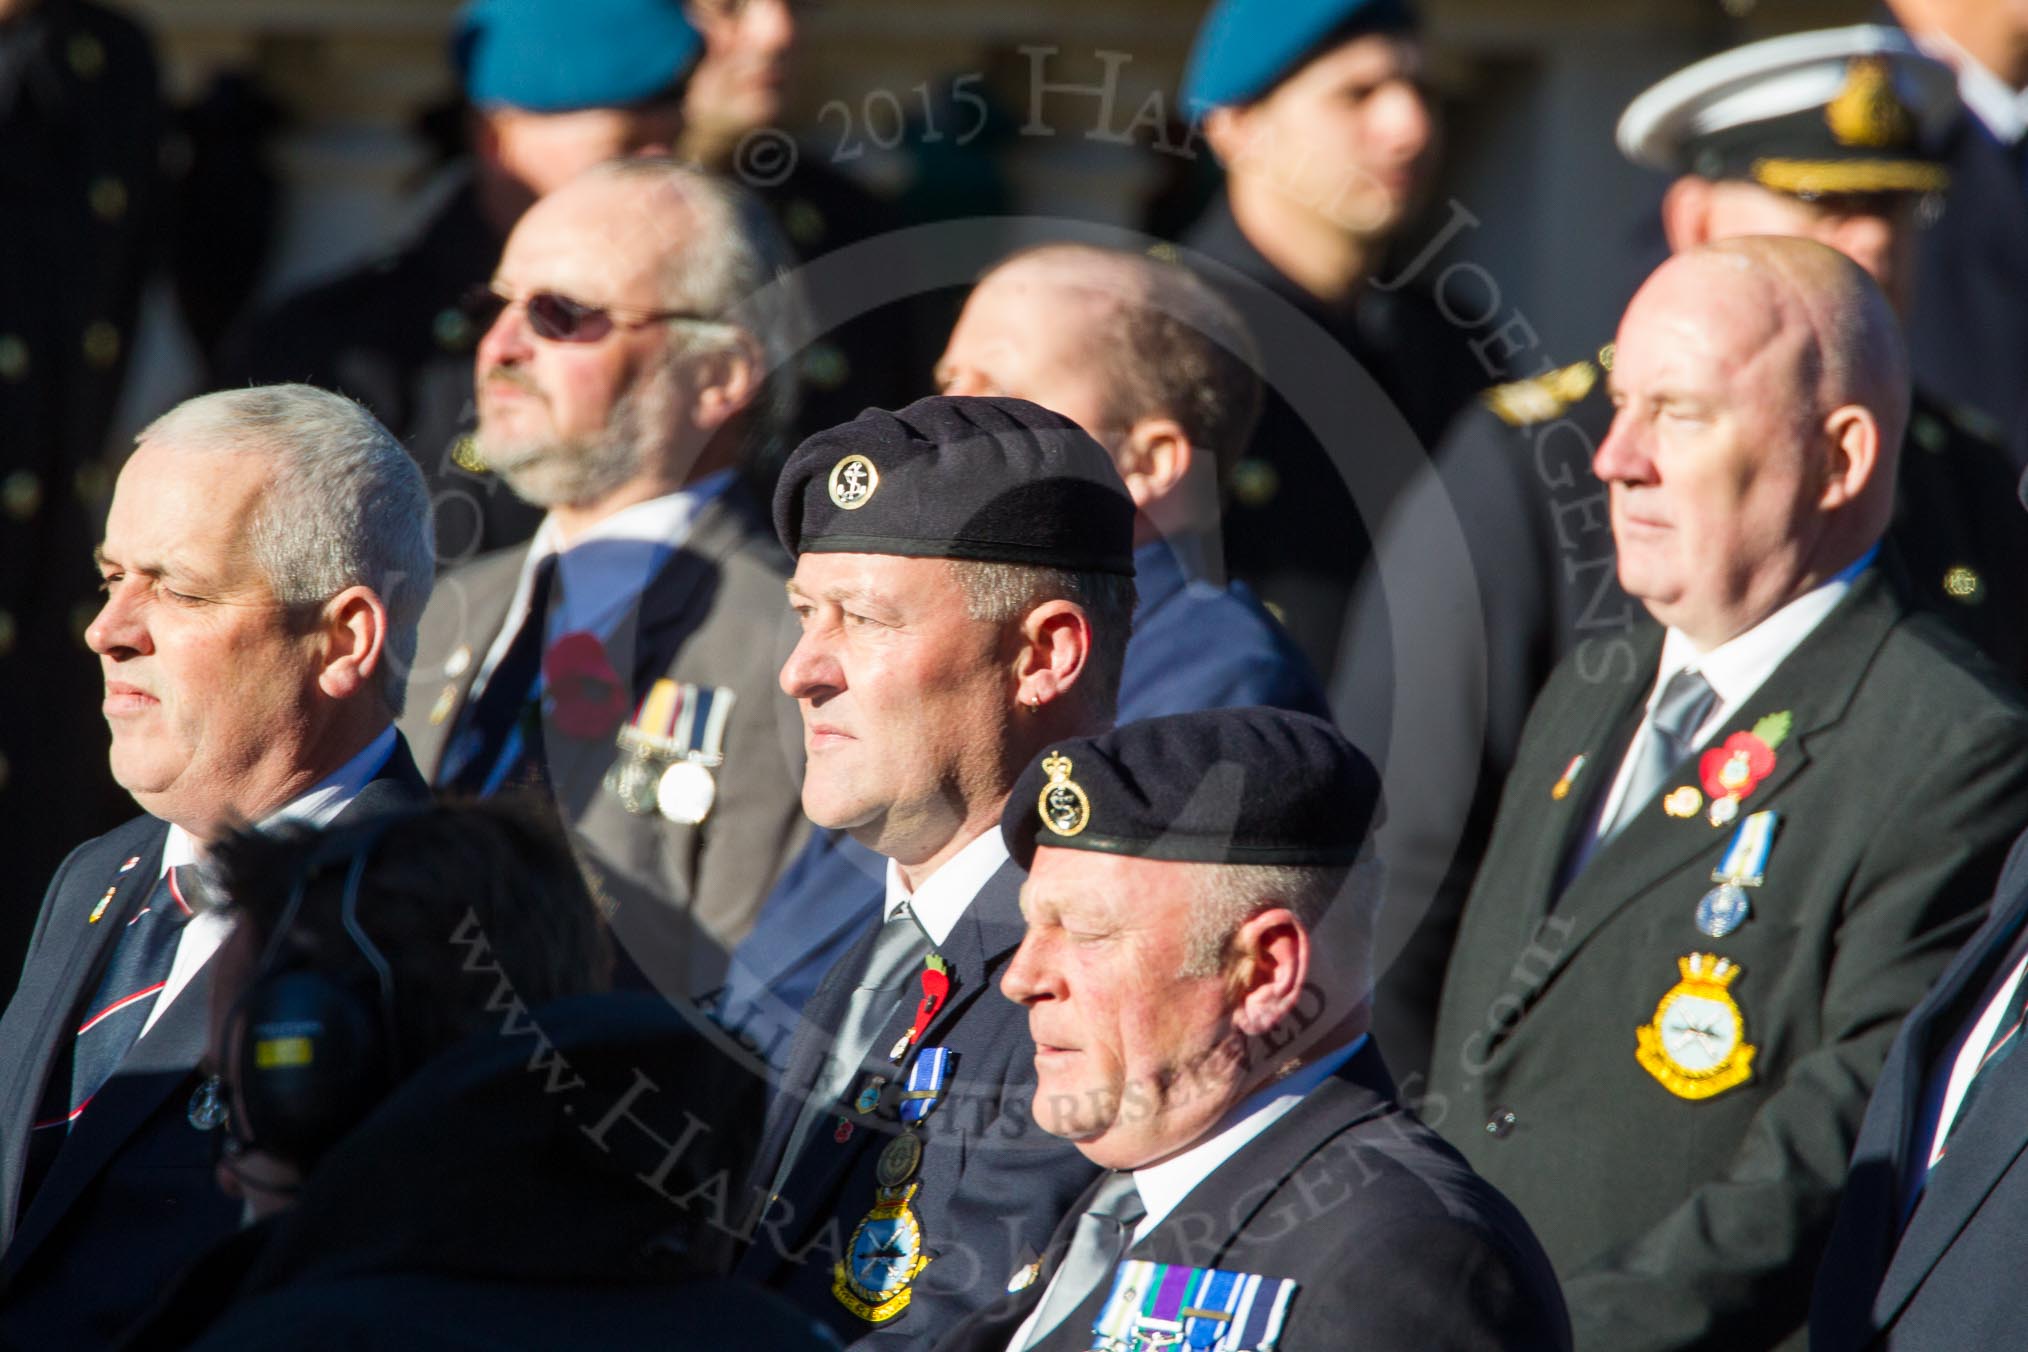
point(725, 380)
point(1227, 130)
point(1154, 459)
point(1852, 436)
point(1686, 213)
point(351, 642)
point(1270, 963)
point(1055, 648)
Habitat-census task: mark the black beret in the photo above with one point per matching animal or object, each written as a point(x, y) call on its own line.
point(949, 477)
point(1219, 786)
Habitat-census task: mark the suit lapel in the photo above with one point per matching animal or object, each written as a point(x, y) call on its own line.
point(473, 602)
point(1978, 1156)
point(1814, 684)
point(1246, 1184)
point(677, 597)
point(981, 936)
point(40, 1027)
point(161, 1063)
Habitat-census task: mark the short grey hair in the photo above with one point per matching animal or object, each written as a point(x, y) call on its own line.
point(1000, 593)
point(346, 505)
point(734, 271)
point(1229, 895)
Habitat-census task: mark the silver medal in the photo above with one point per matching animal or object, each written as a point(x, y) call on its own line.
point(686, 792)
point(1723, 909)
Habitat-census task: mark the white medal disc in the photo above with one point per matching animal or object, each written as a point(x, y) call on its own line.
point(686, 793)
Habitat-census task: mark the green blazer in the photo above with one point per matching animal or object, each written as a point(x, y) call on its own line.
point(1685, 1205)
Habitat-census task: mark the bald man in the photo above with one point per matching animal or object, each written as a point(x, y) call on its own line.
point(1727, 865)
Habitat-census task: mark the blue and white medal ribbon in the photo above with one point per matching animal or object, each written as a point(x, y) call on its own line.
point(1725, 907)
point(925, 1087)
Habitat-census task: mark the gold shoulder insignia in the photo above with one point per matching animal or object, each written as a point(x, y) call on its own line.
point(1537, 399)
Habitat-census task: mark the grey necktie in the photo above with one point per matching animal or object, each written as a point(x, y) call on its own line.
point(1095, 1251)
point(899, 948)
point(1685, 704)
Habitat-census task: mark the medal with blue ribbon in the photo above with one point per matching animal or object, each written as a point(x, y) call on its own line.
point(1726, 907)
point(925, 1089)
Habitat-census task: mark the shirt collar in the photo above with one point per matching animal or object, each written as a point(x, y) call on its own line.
point(614, 561)
point(945, 894)
point(1164, 1186)
point(316, 806)
point(1737, 667)
point(2003, 108)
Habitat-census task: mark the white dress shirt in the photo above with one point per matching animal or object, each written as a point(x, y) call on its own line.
point(1944, 1093)
point(945, 894)
point(1164, 1186)
point(2003, 108)
point(1735, 669)
point(206, 931)
point(605, 570)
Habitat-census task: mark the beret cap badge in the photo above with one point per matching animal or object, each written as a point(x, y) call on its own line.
point(1062, 803)
point(853, 481)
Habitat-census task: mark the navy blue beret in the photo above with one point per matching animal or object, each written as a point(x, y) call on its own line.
point(954, 477)
point(1245, 48)
point(1219, 786)
point(557, 56)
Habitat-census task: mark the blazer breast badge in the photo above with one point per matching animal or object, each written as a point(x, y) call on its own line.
point(1696, 1044)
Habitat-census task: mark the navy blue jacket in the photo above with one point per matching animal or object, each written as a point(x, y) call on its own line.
point(131, 1191)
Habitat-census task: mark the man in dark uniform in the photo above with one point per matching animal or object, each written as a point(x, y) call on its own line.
point(1729, 862)
point(1156, 366)
point(1968, 333)
point(554, 88)
point(1935, 1209)
point(1199, 902)
point(1318, 113)
point(1740, 129)
point(964, 581)
point(732, 125)
point(266, 558)
point(80, 131)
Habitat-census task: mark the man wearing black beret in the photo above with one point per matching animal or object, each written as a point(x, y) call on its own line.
point(1199, 904)
point(964, 583)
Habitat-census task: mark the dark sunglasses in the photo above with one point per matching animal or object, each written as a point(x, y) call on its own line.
point(560, 319)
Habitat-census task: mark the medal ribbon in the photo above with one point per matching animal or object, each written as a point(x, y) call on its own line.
point(1745, 861)
point(925, 1083)
point(655, 719)
point(718, 702)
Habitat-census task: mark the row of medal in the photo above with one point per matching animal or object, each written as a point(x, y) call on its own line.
point(669, 750)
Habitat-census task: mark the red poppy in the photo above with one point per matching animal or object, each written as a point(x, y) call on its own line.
point(1734, 769)
point(588, 700)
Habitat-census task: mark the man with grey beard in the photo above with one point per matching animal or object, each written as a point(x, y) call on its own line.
point(623, 661)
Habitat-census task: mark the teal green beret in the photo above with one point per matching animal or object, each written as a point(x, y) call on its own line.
point(1245, 48)
point(557, 56)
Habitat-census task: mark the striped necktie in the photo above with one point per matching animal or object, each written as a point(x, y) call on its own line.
point(133, 982)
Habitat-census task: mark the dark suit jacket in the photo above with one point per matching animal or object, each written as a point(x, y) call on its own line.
point(992, 1183)
point(1944, 1278)
point(131, 1190)
point(1680, 1222)
point(1967, 334)
point(679, 896)
point(1536, 522)
point(1391, 1238)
